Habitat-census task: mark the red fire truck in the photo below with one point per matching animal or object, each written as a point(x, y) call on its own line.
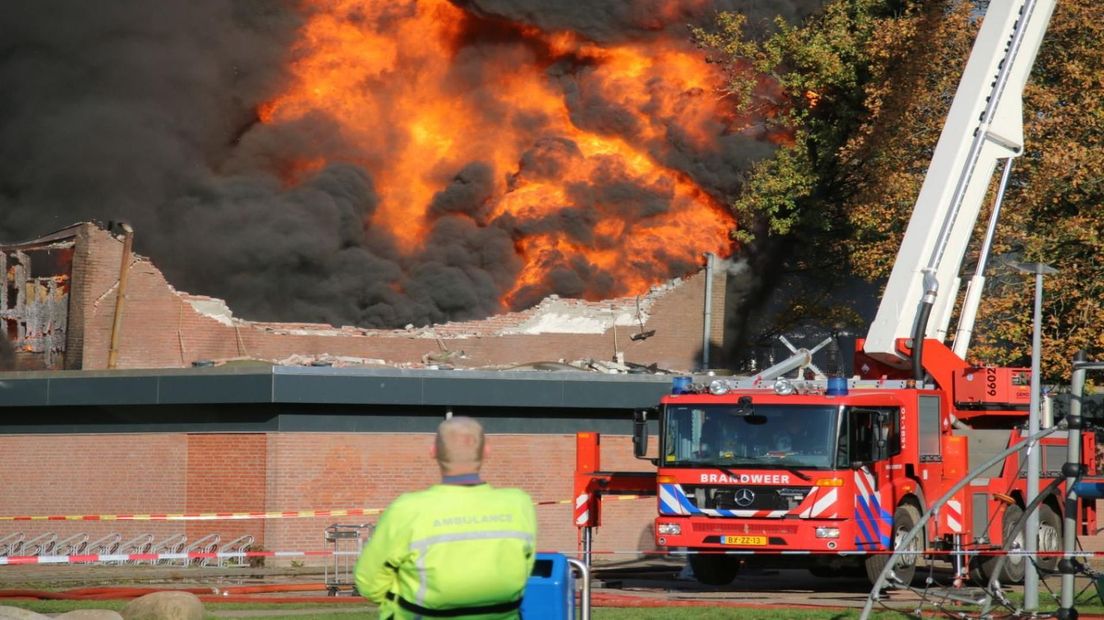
point(831, 472)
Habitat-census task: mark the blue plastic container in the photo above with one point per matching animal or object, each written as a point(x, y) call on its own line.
point(550, 591)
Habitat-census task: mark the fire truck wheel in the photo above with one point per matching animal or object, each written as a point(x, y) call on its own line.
point(714, 569)
point(1050, 538)
point(905, 519)
point(1014, 565)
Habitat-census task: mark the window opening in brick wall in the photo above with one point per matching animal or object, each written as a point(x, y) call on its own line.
point(12, 296)
point(49, 262)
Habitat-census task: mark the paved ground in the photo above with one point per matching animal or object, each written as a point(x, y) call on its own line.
point(636, 583)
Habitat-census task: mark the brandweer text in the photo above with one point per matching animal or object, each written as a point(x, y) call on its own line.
point(747, 478)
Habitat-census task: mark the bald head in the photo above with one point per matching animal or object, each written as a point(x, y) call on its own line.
point(459, 445)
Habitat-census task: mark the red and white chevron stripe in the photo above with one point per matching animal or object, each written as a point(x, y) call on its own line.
point(952, 516)
point(864, 482)
point(823, 504)
point(582, 510)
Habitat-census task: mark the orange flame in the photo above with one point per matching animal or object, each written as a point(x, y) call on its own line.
point(414, 106)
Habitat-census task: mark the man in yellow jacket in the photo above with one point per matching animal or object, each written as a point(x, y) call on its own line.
point(459, 549)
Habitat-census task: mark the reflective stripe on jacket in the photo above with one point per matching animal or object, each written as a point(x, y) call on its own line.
point(450, 546)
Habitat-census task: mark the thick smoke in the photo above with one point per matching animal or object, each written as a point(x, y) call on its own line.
point(615, 22)
point(147, 112)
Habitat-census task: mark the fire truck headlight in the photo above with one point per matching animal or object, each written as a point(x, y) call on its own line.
point(670, 529)
point(718, 387)
point(827, 532)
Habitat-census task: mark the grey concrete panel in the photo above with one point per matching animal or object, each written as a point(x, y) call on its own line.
point(614, 393)
point(72, 390)
point(139, 419)
point(189, 389)
point(343, 389)
point(463, 391)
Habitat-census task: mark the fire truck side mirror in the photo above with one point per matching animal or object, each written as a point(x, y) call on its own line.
point(640, 431)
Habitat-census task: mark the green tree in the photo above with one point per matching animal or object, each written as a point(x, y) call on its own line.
point(809, 84)
point(864, 89)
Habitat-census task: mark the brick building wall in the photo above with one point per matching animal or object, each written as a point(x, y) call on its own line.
point(241, 472)
point(335, 470)
point(93, 475)
point(79, 291)
point(717, 317)
point(162, 328)
point(226, 473)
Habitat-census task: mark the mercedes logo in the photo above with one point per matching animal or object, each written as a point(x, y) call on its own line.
point(744, 497)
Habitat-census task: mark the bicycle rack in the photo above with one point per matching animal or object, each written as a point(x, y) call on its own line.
point(104, 546)
point(237, 545)
point(207, 544)
point(139, 544)
point(72, 545)
point(172, 544)
point(12, 544)
point(42, 544)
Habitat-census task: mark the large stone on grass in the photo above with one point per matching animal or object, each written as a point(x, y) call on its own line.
point(166, 605)
point(90, 614)
point(18, 613)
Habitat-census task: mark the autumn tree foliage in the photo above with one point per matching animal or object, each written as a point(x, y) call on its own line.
point(864, 88)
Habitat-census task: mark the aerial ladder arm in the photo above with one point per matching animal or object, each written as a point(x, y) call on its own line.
point(983, 126)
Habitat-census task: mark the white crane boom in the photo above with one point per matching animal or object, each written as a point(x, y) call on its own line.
point(984, 125)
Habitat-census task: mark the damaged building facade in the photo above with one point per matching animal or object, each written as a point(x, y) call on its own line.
point(170, 414)
point(34, 302)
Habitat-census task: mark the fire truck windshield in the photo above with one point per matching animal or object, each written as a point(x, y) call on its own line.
point(770, 436)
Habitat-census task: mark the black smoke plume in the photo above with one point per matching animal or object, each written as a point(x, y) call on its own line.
point(617, 22)
point(146, 112)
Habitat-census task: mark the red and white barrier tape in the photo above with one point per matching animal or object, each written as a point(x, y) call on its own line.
point(153, 557)
point(196, 555)
point(228, 516)
point(201, 516)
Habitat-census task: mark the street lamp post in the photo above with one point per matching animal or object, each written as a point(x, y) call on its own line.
point(1031, 533)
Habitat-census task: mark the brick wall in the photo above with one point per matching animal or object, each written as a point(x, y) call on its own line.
point(717, 319)
point(79, 288)
point(161, 329)
point(226, 473)
point(333, 470)
point(92, 474)
point(180, 472)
